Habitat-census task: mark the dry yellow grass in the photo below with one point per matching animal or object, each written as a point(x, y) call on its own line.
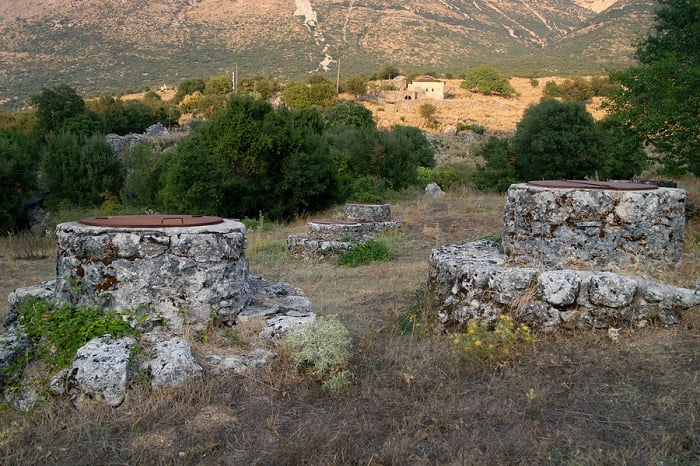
point(412, 401)
point(497, 114)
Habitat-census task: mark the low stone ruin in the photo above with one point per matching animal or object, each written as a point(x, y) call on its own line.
point(168, 276)
point(566, 225)
point(553, 239)
point(326, 239)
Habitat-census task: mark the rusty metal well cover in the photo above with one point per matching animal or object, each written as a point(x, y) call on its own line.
point(583, 184)
point(151, 221)
point(334, 222)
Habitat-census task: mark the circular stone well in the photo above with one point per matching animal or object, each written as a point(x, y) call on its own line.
point(555, 223)
point(336, 230)
point(368, 212)
point(185, 270)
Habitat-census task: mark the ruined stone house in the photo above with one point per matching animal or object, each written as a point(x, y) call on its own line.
point(424, 87)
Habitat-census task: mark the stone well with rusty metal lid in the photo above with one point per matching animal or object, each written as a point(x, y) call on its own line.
point(574, 255)
point(562, 222)
point(176, 269)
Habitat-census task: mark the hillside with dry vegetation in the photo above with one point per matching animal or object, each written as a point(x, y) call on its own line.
point(108, 46)
point(497, 114)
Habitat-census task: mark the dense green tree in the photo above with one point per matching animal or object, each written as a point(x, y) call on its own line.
point(188, 87)
point(557, 140)
point(57, 104)
point(218, 85)
point(145, 169)
point(498, 171)
point(260, 87)
point(487, 80)
point(659, 100)
point(398, 155)
point(624, 155)
point(577, 89)
point(348, 113)
point(18, 174)
point(387, 72)
point(77, 168)
point(356, 85)
point(427, 111)
point(132, 116)
point(250, 159)
point(316, 92)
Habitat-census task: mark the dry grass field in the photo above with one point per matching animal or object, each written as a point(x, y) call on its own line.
point(577, 398)
point(498, 114)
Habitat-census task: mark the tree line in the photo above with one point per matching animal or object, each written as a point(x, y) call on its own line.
point(247, 156)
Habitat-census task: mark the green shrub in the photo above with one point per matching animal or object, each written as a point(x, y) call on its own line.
point(188, 87)
point(265, 160)
point(18, 170)
point(577, 90)
point(58, 331)
point(557, 140)
point(498, 172)
point(484, 344)
point(487, 80)
point(473, 127)
point(425, 176)
point(446, 176)
point(77, 169)
point(144, 176)
point(322, 349)
point(365, 253)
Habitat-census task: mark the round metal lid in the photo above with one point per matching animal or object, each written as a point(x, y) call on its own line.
point(151, 221)
point(582, 184)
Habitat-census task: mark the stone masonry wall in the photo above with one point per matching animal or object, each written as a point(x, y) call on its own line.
point(473, 281)
point(177, 275)
point(556, 227)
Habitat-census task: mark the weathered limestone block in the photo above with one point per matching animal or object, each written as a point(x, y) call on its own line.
point(45, 290)
point(269, 299)
point(368, 212)
point(336, 230)
point(173, 365)
point(509, 284)
point(280, 324)
point(101, 368)
point(175, 275)
point(560, 226)
point(313, 249)
point(239, 363)
point(473, 281)
point(559, 287)
point(612, 290)
point(13, 345)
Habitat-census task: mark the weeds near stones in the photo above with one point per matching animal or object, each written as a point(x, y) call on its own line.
point(59, 331)
point(366, 252)
point(322, 349)
point(483, 345)
point(413, 321)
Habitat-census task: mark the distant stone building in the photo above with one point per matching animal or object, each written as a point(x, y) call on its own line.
point(425, 87)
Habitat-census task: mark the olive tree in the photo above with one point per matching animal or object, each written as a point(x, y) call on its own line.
point(557, 140)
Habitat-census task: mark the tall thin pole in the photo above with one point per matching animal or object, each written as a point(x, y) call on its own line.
point(337, 79)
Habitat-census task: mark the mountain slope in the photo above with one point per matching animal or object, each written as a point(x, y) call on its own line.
point(101, 46)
